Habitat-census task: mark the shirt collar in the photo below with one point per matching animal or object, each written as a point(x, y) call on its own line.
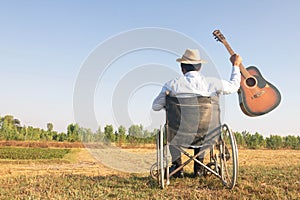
point(192, 73)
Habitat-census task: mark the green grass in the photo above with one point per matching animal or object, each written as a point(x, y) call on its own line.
point(17, 153)
point(253, 183)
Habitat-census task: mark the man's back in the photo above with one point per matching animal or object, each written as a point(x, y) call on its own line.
point(194, 83)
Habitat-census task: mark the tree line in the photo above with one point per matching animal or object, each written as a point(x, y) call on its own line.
point(11, 129)
point(257, 141)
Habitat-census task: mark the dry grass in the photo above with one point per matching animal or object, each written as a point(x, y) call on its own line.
point(263, 174)
point(79, 161)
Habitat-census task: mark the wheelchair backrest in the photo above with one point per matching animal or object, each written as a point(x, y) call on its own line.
point(191, 120)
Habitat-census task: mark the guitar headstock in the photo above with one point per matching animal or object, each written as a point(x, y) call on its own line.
point(219, 36)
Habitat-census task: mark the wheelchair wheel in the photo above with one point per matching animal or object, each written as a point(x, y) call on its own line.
point(154, 172)
point(159, 169)
point(160, 157)
point(228, 157)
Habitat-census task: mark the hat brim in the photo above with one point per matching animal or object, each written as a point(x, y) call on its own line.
point(185, 61)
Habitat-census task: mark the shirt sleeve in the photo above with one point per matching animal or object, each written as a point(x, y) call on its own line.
point(160, 101)
point(233, 84)
point(224, 86)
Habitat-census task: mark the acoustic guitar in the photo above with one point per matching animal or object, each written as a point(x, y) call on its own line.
point(256, 95)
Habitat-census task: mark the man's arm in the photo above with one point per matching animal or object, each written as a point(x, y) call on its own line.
point(233, 84)
point(160, 101)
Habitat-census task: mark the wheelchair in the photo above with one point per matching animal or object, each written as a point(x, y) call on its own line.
point(194, 122)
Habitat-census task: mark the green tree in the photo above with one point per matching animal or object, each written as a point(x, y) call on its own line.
point(254, 141)
point(122, 134)
point(54, 136)
point(62, 137)
point(239, 139)
point(291, 142)
point(136, 131)
point(109, 133)
point(10, 128)
point(99, 135)
point(274, 142)
point(73, 133)
point(86, 134)
point(43, 135)
point(49, 127)
point(33, 133)
point(147, 134)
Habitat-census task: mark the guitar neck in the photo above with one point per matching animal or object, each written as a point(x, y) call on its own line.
point(243, 70)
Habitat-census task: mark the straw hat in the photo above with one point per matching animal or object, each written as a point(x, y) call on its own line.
point(191, 56)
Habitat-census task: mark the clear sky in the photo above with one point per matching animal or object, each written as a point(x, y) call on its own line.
point(45, 43)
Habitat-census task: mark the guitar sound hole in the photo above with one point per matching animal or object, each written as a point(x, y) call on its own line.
point(250, 82)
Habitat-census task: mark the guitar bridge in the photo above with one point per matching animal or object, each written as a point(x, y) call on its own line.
point(258, 94)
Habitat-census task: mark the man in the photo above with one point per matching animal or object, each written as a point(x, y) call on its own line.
point(194, 83)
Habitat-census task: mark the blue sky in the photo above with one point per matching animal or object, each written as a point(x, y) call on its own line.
point(45, 43)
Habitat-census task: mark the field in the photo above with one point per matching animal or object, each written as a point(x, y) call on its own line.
point(263, 174)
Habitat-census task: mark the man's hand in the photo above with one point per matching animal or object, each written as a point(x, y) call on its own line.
point(236, 60)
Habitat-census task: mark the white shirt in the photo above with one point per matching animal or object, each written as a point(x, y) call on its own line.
point(194, 83)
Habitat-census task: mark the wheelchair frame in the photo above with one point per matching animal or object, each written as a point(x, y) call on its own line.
point(223, 159)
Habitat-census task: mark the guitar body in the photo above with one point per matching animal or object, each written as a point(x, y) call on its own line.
point(256, 95)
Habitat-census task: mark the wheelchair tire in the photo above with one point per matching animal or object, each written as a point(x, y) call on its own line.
point(154, 172)
point(160, 157)
point(228, 158)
